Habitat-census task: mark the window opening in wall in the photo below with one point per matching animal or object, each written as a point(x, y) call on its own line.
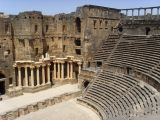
point(78, 24)
point(94, 23)
point(64, 48)
point(36, 51)
point(6, 28)
point(36, 28)
point(64, 28)
point(78, 51)
point(77, 42)
point(106, 24)
point(52, 39)
point(47, 28)
point(129, 70)
point(148, 30)
point(112, 29)
point(99, 63)
point(120, 29)
point(10, 81)
point(100, 24)
point(8, 51)
point(89, 64)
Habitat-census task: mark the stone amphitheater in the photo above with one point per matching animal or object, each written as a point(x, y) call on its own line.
point(96, 63)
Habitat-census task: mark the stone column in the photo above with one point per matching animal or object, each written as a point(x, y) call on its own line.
point(58, 70)
point(79, 67)
point(48, 73)
point(67, 70)
point(26, 77)
point(62, 70)
point(43, 75)
point(157, 11)
point(126, 13)
point(138, 12)
point(71, 70)
point(19, 77)
point(151, 11)
point(55, 71)
point(32, 76)
point(37, 72)
point(144, 12)
point(132, 13)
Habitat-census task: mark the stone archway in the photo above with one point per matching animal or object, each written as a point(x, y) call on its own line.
point(2, 84)
point(85, 83)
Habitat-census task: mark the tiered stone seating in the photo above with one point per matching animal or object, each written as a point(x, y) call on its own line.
point(140, 53)
point(121, 96)
point(106, 48)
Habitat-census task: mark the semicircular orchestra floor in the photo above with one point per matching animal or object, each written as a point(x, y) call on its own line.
point(67, 110)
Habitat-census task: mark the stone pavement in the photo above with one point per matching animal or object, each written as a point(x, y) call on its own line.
point(30, 98)
point(67, 110)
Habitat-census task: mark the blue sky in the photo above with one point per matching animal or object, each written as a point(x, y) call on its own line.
point(52, 7)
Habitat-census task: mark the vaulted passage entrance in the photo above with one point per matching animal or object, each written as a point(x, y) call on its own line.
point(2, 84)
point(2, 87)
point(86, 83)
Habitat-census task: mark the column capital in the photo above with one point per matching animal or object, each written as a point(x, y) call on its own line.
point(26, 66)
point(37, 66)
point(48, 64)
point(62, 62)
point(43, 65)
point(19, 67)
point(32, 67)
point(70, 61)
point(79, 63)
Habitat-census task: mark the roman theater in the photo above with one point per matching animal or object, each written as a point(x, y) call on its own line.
point(96, 63)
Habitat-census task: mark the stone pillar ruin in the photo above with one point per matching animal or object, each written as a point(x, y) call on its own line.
point(32, 76)
point(62, 70)
point(55, 72)
point(58, 70)
point(79, 67)
point(26, 77)
point(19, 77)
point(67, 70)
point(37, 72)
point(43, 75)
point(48, 73)
point(71, 70)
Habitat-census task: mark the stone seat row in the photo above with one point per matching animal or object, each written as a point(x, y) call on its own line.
point(106, 48)
point(118, 96)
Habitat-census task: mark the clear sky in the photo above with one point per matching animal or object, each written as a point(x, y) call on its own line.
point(51, 7)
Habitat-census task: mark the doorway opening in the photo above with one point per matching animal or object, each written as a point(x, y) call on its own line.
point(85, 84)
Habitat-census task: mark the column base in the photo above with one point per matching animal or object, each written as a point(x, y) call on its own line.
point(31, 89)
point(64, 81)
point(15, 91)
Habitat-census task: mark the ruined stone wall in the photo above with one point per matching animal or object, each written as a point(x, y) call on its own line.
point(6, 51)
point(140, 27)
point(29, 35)
point(97, 24)
point(27, 28)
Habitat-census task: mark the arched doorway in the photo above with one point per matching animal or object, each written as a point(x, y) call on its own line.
point(2, 84)
point(148, 30)
point(86, 83)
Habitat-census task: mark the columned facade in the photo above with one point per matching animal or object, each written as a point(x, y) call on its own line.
point(33, 75)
